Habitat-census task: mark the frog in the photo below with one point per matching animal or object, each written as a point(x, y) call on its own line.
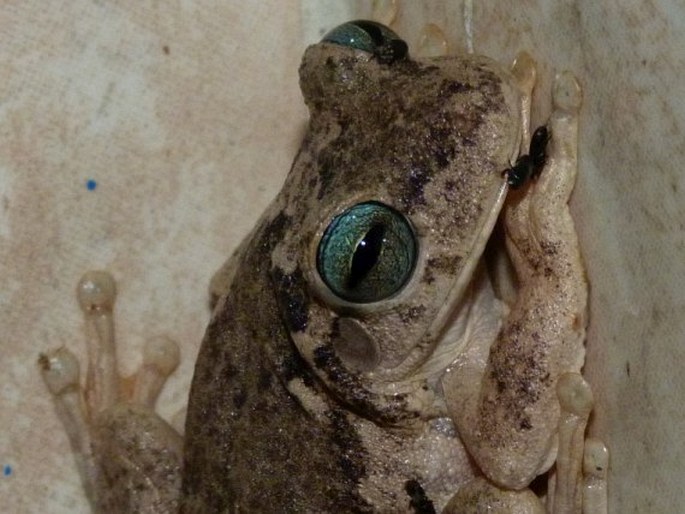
point(364, 354)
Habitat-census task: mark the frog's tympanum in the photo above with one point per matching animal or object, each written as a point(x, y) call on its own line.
point(362, 355)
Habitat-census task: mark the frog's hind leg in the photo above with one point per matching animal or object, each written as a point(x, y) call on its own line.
point(110, 423)
point(579, 477)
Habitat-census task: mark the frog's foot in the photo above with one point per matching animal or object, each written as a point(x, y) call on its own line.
point(579, 477)
point(571, 490)
point(129, 458)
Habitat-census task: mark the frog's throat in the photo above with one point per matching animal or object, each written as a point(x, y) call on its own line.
point(416, 366)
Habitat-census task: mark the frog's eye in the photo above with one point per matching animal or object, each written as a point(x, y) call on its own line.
point(371, 37)
point(367, 253)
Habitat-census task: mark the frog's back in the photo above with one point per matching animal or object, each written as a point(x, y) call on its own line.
point(251, 446)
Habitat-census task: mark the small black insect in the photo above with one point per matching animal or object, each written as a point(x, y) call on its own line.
point(530, 165)
point(418, 499)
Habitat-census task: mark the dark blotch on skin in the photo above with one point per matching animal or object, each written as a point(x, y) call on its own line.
point(294, 366)
point(359, 397)
point(443, 153)
point(417, 178)
point(352, 455)
point(230, 371)
point(451, 87)
point(412, 313)
point(239, 398)
point(265, 378)
point(428, 277)
point(445, 265)
point(273, 233)
point(326, 359)
point(518, 387)
point(549, 248)
point(418, 499)
point(293, 302)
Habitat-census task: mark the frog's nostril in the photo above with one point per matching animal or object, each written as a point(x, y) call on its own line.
point(354, 346)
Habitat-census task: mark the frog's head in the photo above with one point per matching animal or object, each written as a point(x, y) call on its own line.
point(388, 208)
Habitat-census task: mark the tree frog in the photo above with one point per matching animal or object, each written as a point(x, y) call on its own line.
point(361, 357)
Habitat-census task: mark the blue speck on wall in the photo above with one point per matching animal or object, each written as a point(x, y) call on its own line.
point(91, 184)
point(7, 470)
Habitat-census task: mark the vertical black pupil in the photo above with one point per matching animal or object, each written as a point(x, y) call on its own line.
point(372, 30)
point(366, 255)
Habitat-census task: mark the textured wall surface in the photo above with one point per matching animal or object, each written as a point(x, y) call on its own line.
point(185, 116)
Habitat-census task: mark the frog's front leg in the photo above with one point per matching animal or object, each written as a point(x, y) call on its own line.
point(129, 458)
point(506, 406)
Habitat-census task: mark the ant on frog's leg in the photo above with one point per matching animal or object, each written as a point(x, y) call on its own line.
point(530, 165)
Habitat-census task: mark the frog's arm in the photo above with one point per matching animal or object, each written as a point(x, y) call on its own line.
point(506, 406)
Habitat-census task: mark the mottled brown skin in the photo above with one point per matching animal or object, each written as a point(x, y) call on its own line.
point(277, 421)
point(250, 444)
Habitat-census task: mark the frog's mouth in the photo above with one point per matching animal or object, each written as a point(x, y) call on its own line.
point(448, 334)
